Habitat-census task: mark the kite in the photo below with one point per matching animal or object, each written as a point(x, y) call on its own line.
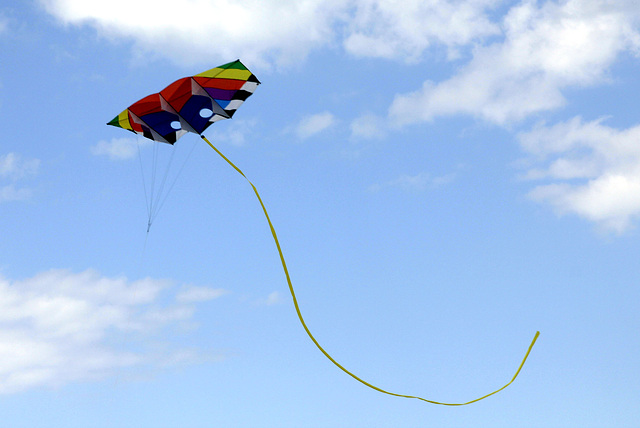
point(192, 104)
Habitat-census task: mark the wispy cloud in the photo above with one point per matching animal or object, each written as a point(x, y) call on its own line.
point(9, 192)
point(12, 170)
point(194, 294)
point(273, 298)
point(119, 148)
point(59, 326)
point(237, 132)
point(314, 124)
point(589, 169)
point(419, 182)
point(13, 167)
point(368, 126)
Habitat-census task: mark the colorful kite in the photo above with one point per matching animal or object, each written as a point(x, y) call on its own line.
point(192, 104)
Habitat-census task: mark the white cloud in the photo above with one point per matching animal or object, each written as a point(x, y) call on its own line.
point(314, 124)
point(194, 294)
point(59, 327)
point(119, 148)
point(389, 29)
point(546, 48)
point(258, 31)
point(281, 31)
point(591, 170)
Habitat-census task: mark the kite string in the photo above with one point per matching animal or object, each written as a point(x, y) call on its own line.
point(295, 303)
point(162, 200)
point(160, 193)
point(156, 198)
point(154, 168)
point(144, 185)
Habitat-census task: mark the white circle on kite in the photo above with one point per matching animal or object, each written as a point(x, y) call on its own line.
point(206, 113)
point(176, 125)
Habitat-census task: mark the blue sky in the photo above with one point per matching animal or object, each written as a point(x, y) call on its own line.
point(445, 177)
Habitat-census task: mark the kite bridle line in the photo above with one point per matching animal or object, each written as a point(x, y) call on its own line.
point(295, 303)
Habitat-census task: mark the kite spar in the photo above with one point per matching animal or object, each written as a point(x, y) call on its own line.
point(192, 104)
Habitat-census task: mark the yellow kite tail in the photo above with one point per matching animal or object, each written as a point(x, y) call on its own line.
point(295, 303)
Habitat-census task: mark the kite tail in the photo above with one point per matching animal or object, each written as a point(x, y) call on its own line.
point(295, 302)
